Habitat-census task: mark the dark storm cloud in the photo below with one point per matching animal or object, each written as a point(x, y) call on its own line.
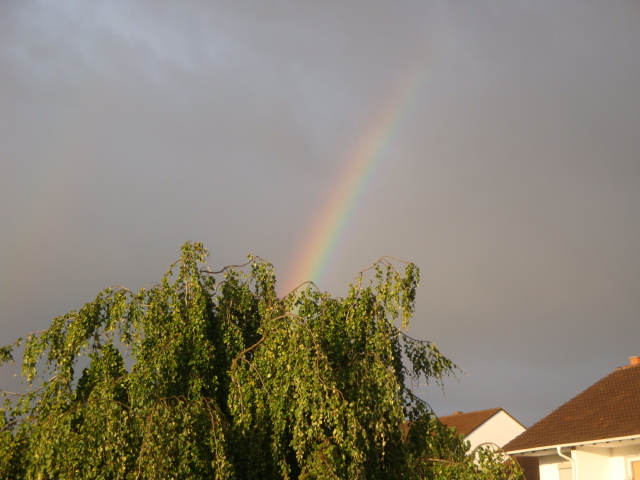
point(130, 127)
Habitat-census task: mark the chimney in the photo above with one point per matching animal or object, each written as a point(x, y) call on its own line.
point(460, 413)
point(633, 361)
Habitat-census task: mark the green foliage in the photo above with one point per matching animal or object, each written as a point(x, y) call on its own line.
point(198, 378)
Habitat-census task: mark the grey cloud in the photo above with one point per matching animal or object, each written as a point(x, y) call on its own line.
point(511, 180)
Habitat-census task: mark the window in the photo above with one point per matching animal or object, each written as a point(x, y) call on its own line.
point(565, 471)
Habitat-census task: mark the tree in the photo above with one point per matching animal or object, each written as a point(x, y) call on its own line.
point(211, 375)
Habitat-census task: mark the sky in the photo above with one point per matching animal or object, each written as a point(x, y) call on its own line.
point(495, 144)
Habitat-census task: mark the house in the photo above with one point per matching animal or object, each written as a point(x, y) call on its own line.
point(494, 426)
point(594, 436)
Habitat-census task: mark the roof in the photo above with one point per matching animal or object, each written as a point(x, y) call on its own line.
point(606, 410)
point(465, 423)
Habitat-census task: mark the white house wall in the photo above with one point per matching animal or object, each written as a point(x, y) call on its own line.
point(592, 463)
point(549, 467)
point(499, 429)
point(620, 467)
point(549, 472)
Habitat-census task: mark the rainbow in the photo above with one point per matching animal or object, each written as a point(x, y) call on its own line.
point(361, 164)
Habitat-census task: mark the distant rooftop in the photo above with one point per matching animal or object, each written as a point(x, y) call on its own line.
point(465, 423)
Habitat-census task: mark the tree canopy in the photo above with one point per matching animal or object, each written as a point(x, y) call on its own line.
point(212, 375)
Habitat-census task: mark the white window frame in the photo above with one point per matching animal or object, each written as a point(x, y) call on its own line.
point(627, 466)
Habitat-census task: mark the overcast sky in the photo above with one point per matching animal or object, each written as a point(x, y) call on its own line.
point(511, 174)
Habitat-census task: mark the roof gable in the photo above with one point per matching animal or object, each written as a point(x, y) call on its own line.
point(610, 408)
point(465, 423)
